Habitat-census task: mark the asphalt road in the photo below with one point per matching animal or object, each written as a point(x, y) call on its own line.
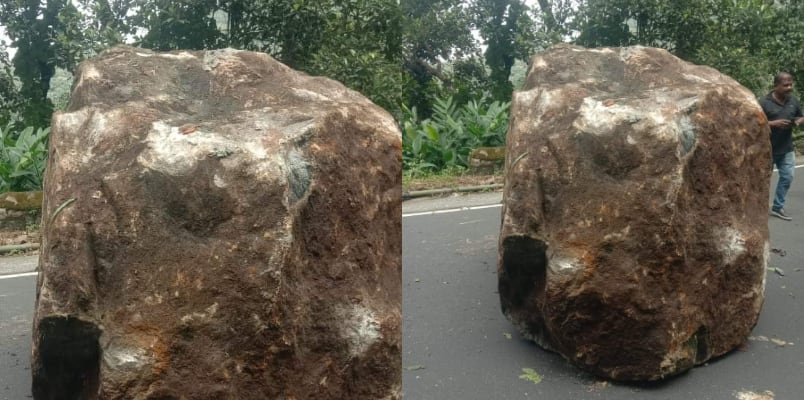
point(16, 312)
point(458, 345)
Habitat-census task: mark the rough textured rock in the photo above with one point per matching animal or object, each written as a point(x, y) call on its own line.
point(218, 226)
point(22, 201)
point(486, 159)
point(634, 235)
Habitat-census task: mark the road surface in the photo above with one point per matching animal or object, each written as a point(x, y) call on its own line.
point(458, 345)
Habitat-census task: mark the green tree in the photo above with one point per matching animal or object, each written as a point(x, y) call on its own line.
point(502, 24)
point(679, 26)
point(749, 40)
point(10, 100)
point(354, 41)
point(435, 33)
point(361, 47)
point(182, 24)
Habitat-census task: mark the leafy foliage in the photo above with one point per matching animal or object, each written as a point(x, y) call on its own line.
point(749, 40)
point(502, 23)
point(446, 139)
point(10, 99)
point(22, 158)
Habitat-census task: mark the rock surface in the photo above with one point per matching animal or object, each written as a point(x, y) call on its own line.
point(218, 226)
point(486, 159)
point(634, 237)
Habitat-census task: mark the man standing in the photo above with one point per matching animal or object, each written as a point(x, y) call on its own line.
point(783, 112)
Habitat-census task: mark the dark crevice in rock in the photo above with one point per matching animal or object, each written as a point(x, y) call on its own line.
point(68, 366)
point(298, 175)
point(702, 345)
point(523, 269)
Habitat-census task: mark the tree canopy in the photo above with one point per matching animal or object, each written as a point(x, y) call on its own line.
point(402, 54)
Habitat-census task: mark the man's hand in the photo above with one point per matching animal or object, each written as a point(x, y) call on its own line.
point(782, 123)
point(799, 121)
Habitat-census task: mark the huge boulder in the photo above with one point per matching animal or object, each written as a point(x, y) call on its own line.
point(218, 226)
point(634, 238)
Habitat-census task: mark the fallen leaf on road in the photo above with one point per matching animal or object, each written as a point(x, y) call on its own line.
point(507, 335)
point(414, 367)
point(778, 342)
point(531, 375)
point(746, 395)
point(780, 252)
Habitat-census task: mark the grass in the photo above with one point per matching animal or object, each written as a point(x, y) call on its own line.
point(450, 178)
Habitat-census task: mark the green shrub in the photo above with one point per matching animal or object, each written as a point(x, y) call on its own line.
point(446, 139)
point(22, 159)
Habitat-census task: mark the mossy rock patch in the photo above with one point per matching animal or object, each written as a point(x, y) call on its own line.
point(21, 200)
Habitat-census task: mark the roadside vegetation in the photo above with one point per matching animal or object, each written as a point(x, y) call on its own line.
point(23, 156)
point(445, 69)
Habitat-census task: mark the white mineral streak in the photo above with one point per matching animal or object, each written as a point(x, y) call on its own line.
point(619, 235)
point(282, 237)
point(696, 78)
point(585, 50)
point(537, 64)
point(153, 300)
point(208, 313)
point(564, 264)
point(97, 127)
point(596, 118)
point(87, 73)
point(172, 153)
point(526, 96)
point(69, 121)
point(71, 149)
point(360, 328)
point(179, 56)
point(219, 182)
point(309, 95)
point(117, 357)
point(732, 244)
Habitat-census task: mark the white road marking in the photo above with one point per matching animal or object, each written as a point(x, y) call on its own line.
point(18, 275)
point(451, 210)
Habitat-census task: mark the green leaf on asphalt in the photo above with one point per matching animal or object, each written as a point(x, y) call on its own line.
point(531, 375)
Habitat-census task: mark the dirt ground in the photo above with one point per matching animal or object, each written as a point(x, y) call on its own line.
point(15, 237)
point(446, 182)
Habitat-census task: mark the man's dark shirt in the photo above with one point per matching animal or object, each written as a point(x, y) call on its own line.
point(781, 138)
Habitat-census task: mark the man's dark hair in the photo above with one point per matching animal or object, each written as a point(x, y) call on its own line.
point(781, 75)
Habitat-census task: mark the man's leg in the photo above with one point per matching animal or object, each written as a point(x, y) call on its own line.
point(786, 165)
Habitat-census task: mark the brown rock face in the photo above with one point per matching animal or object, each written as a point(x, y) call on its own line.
point(218, 226)
point(634, 237)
